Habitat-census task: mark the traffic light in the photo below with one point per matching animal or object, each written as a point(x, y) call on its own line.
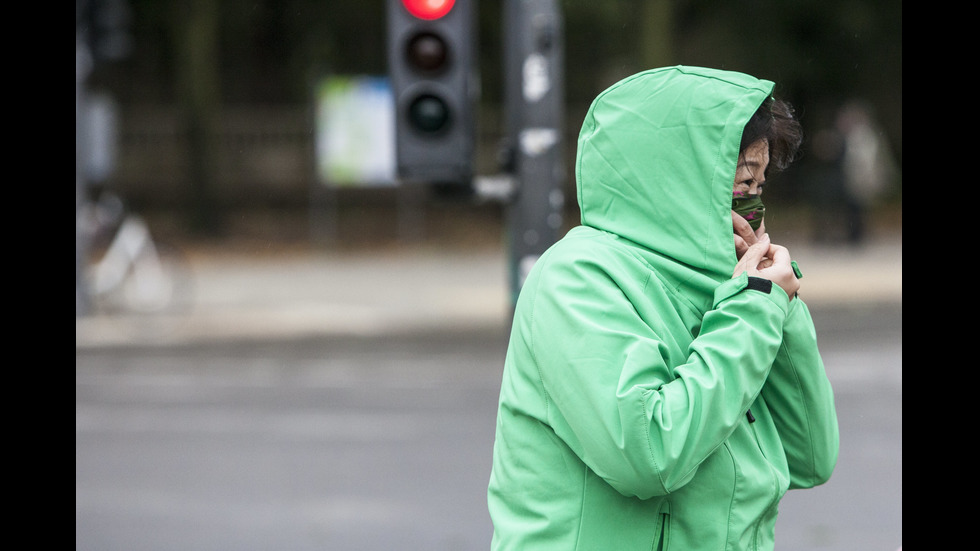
point(434, 80)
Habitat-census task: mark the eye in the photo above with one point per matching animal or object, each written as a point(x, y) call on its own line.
point(747, 186)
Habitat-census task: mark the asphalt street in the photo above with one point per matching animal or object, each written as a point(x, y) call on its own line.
point(311, 400)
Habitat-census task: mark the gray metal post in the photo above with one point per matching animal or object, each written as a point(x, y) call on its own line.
point(534, 99)
point(83, 66)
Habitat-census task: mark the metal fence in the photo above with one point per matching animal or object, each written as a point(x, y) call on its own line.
point(259, 151)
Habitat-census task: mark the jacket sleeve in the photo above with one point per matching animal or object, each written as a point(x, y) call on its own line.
point(801, 402)
point(642, 424)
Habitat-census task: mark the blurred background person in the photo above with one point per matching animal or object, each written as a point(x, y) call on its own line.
point(857, 171)
point(867, 166)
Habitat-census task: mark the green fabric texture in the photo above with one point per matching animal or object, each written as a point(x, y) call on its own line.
point(634, 354)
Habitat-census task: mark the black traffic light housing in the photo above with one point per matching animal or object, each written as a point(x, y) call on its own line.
point(431, 63)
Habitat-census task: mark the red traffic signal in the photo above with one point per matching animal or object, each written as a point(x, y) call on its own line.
point(433, 69)
point(428, 9)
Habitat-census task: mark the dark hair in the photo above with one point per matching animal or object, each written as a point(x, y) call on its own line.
point(775, 123)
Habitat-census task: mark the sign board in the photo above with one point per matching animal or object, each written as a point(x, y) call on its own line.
point(355, 132)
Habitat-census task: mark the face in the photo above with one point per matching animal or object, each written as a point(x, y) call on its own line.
point(750, 174)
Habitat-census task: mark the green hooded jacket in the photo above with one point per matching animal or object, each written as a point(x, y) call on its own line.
point(649, 400)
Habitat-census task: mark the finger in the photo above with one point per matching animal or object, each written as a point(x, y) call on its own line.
point(754, 255)
point(782, 270)
point(740, 246)
point(779, 254)
point(743, 229)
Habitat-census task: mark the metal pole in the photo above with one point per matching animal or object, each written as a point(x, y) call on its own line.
point(534, 99)
point(83, 66)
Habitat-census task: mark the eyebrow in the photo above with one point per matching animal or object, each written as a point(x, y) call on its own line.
point(751, 164)
point(744, 162)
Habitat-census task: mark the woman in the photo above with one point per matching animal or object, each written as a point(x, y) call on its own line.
point(662, 387)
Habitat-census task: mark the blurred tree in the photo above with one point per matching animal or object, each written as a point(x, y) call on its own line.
point(221, 52)
point(657, 33)
point(195, 41)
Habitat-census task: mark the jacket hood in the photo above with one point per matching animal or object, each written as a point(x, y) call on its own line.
point(656, 162)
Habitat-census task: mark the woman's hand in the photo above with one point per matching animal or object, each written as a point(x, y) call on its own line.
point(768, 261)
point(745, 236)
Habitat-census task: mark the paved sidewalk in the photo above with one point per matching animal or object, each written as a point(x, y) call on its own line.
point(317, 293)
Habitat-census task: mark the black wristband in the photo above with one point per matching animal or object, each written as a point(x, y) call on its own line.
point(759, 284)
